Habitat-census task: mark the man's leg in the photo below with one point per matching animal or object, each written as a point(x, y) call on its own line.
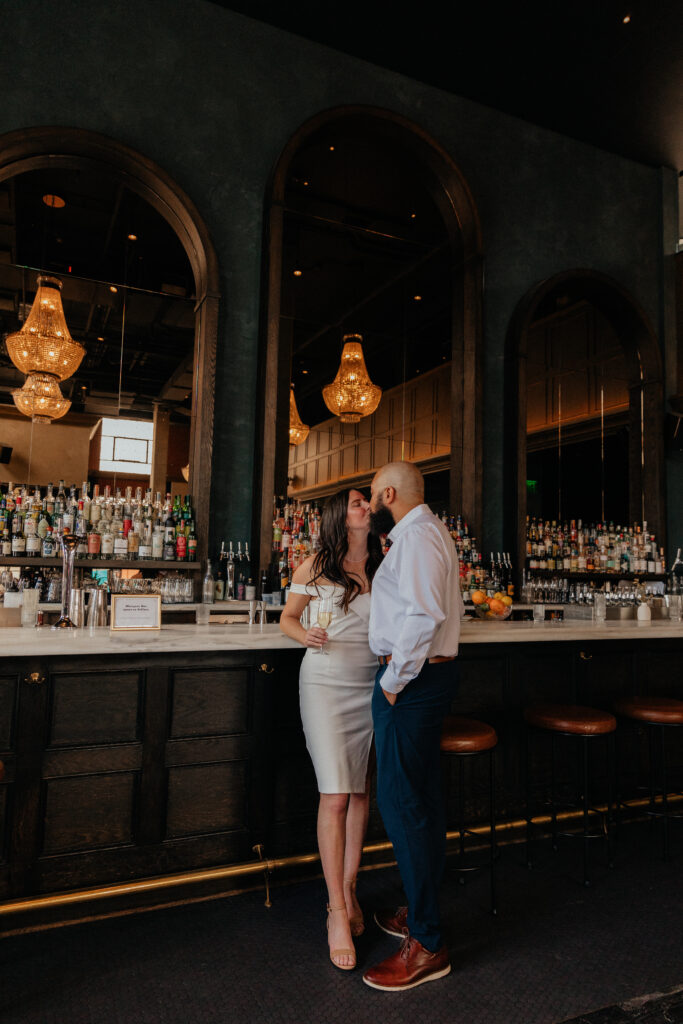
point(407, 737)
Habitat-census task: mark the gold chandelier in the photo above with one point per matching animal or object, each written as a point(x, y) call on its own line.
point(298, 431)
point(44, 345)
point(41, 398)
point(352, 395)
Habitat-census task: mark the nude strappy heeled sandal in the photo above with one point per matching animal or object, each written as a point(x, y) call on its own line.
point(356, 923)
point(340, 952)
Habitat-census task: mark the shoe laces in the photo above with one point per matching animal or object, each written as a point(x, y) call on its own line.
point(405, 948)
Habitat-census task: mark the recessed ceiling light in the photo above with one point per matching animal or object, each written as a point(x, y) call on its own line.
point(113, 288)
point(132, 238)
point(297, 273)
point(413, 216)
point(304, 371)
point(306, 183)
point(626, 19)
point(417, 298)
point(100, 339)
point(331, 149)
point(56, 202)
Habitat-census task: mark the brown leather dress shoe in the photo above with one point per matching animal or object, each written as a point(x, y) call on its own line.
point(412, 965)
point(393, 922)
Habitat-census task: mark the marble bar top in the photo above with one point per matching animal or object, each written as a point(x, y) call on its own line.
point(46, 642)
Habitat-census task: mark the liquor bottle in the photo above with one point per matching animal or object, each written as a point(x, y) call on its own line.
point(18, 544)
point(180, 542)
point(107, 542)
point(60, 501)
point(31, 541)
point(120, 544)
point(6, 543)
point(169, 537)
point(49, 506)
point(94, 543)
point(157, 540)
point(208, 586)
point(96, 506)
point(133, 541)
point(191, 542)
point(284, 572)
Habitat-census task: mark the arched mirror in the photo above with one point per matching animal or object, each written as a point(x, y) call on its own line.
point(588, 407)
point(366, 244)
point(110, 233)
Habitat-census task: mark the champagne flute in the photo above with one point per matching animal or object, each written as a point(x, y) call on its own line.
point(324, 618)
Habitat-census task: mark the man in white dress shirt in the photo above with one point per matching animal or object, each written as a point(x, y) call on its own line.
point(416, 607)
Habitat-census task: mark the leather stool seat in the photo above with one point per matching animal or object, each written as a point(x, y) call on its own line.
point(466, 736)
point(656, 710)
point(570, 718)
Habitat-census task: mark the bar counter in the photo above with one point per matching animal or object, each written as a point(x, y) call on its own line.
point(18, 642)
point(132, 755)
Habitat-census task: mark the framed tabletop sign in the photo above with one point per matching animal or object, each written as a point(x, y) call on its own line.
point(135, 611)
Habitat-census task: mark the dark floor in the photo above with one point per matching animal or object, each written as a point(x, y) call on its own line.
point(556, 952)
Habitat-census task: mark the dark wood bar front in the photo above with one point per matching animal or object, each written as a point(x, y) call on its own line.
point(139, 758)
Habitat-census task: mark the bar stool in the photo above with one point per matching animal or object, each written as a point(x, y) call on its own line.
point(464, 738)
point(658, 714)
point(585, 725)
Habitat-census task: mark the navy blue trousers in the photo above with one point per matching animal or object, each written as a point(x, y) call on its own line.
point(407, 738)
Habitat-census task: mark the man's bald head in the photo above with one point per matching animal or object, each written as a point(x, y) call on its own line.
point(405, 478)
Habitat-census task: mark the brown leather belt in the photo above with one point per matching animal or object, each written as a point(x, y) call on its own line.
point(384, 659)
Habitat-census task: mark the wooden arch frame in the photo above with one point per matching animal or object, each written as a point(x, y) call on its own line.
point(33, 149)
point(641, 348)
point(450, 191)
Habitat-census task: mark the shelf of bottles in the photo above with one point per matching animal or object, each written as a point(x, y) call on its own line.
point(493, 577)
point(296, 535)
point(114, 530)
point(591, 553)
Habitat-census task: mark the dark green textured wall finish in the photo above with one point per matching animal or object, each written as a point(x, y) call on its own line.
point(213, 97)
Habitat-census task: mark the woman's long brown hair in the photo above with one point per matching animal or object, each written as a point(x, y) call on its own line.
point(334, 539)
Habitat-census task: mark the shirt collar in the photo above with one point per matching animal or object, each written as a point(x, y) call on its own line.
point(408, 518)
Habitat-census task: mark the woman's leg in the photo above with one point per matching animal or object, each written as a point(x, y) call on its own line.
point(332, 813)
point(356, 827)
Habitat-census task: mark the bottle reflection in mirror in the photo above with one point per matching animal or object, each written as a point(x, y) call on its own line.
point(122, 526)
point(598, 548)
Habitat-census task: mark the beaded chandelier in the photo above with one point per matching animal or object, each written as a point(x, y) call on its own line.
point(41, 398)
point(352, 395)
point(298, 431)
point(44, 345)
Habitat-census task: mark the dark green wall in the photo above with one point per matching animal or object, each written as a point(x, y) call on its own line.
point(213, 97)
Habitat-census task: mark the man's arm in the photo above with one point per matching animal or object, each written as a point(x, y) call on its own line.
point(422, 574)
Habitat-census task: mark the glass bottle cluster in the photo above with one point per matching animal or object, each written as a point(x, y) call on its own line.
point(115, 526)
point(598, 548)
point(494, 577)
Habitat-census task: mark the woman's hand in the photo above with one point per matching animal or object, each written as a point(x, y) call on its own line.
point(315, 637)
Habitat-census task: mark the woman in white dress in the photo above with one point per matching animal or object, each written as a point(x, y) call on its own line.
point(335, 691)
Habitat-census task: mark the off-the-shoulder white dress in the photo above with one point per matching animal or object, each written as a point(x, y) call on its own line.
point(335, 693)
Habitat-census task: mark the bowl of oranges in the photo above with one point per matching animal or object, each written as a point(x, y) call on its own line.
point(496, 608)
